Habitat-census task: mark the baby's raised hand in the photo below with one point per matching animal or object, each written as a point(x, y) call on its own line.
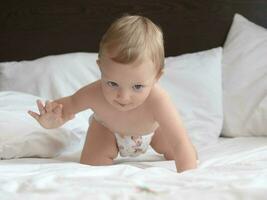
point(51, 114)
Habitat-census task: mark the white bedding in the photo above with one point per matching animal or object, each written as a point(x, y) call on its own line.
point(231, 169)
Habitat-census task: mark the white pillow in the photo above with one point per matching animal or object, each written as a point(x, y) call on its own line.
point(245, 79)
point(194, 83)
point(50, 77)
point(22, 136)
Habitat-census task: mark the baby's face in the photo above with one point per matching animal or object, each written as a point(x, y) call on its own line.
point(126, 86)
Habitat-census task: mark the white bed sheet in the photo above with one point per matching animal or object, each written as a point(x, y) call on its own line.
point(231, 169)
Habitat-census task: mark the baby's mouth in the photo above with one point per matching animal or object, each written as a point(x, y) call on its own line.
point(122, 105)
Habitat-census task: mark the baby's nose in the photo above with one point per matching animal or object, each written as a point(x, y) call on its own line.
point(123, 96)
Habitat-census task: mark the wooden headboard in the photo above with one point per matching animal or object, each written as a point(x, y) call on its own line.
point(32, 28)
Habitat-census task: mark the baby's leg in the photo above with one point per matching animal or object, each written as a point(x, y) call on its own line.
point(100, 146)
point(161, 145)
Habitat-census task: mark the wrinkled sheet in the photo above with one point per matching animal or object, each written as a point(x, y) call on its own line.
point(230, 169)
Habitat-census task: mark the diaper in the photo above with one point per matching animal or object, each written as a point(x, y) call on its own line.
point(133, 145)
point(130, 145)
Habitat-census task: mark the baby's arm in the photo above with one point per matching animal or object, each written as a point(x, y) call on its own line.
point(171, 125)
point(79, 101)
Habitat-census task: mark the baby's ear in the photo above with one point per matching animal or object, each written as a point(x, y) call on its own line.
point(98, 62)
point(160, 72)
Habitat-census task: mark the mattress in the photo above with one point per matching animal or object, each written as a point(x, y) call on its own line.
point(233, 168)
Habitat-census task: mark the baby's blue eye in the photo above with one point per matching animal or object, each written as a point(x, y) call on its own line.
point(138, 87)
point(112, 84)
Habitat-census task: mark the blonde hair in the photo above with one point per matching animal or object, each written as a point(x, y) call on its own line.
point(133, 37)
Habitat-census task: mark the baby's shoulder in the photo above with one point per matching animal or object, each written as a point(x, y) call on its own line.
point(160, 102)
point(90, 92)
point(92, 88)
point(157, 96)
point(95, 90)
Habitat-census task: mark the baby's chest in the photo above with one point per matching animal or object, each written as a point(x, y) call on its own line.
point(138, 123)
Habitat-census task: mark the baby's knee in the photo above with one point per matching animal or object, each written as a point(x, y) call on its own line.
point(169, 156)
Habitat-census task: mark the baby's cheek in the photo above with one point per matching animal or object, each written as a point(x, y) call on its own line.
point(146, 93)
point(141, 97)
point(109, 95)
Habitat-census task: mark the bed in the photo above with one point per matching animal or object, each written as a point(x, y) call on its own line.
point(216, 73)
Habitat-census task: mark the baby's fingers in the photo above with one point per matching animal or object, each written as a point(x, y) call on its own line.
point(40, 107)
point(48, 106)
point(34, 115)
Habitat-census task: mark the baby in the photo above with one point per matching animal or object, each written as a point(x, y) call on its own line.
point(131, 110)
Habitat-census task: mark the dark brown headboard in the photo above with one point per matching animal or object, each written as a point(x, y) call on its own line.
point(34, 28)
